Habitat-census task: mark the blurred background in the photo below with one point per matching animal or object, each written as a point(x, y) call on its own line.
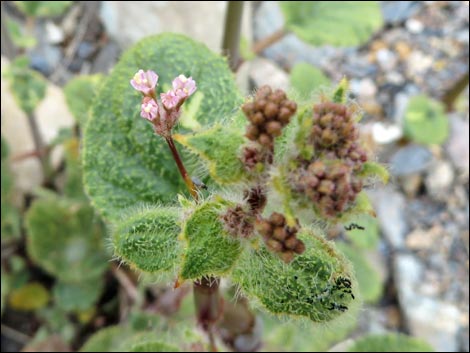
point(407, 64)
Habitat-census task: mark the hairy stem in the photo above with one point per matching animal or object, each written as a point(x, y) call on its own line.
point(208, 304)
point(187, 179)
point(264, 43)
point(207, 298)
point(231, 41)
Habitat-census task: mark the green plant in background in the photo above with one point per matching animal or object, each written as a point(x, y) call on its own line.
point(64, 237)
point(426, 121)
point(79, 94)
point(324, 22)
point(245, 225)
point(10, 223)
point(42, 8)
point(305, 79)
point(389, 343)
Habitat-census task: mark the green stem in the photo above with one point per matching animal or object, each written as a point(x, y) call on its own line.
point(231, 41)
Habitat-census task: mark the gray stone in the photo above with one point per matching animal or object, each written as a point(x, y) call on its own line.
point(265, 72)
point(45, 58)
point(410, 160)
point(401, 102)
point(390, 207)
point(386, 59)
point(458, 143)
point(399, 11)
point(435, 321)
point(364, 88)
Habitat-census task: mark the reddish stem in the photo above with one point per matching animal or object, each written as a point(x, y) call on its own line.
point(187, 179)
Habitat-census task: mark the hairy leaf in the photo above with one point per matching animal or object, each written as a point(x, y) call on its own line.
point(147, 239)
point(317, 284)
point(125, 163)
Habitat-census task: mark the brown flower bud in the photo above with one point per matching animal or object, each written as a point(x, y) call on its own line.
point(274, 128)
point(277, 219)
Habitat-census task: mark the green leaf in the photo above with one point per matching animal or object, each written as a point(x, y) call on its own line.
point(340, 95)
point(109, 339)
point(77, 296)
point(32, 296)
point(125, 163)
point(295, 336)
point(218, 147)
point(210, 250)
point(80, 93)
point(368, 278)
point(368, 237)
point(10, 221)
point(373, 169)
point(245, 50)
point(310, 286)
point(306, 79)
point(361, 206)
point(392, 342)
point(43, 8)
point(349, 23)
point(154, 346)
point(28, 87)
point(66, 239)
point(19, 38)
point(425, 121)
point(148, 239)
point(73, 187)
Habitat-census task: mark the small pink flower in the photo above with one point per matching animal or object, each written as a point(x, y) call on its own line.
point(183, 86)
point(144, 82)
point(170, 100)
point(149, 109)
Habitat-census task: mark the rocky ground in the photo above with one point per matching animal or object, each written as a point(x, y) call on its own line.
point(423, 48)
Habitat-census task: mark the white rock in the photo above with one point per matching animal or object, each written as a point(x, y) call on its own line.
point(265, 72)
point(55, 34)
point(384, 134)
point(414, 26)
point(201, 20)
point(439, 179)
point(386, 59)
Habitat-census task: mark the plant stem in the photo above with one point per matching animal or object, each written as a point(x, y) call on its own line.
point(231, 41)
point(7, 47)
point(208, 305)
point(187, 179)
point(264, 43)
point(207, 298)
point(453, 93)
point(40, 147)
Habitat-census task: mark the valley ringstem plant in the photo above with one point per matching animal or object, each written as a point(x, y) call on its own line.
point(269, 172)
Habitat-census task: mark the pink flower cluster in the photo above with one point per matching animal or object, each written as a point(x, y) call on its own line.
point(162, 114)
